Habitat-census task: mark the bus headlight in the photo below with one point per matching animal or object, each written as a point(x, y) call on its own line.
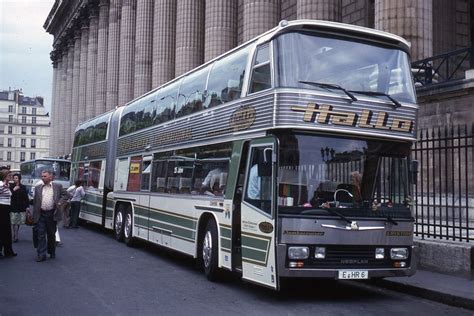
point(379, 253)
point(296, 253)
point(320, 253)
point(399, 253)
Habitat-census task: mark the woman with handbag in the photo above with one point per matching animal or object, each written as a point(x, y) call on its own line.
point(5, 225)
point(19, 205)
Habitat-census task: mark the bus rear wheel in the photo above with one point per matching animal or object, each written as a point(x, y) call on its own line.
point(118, 223)
point(209, 252)
point(128, 227)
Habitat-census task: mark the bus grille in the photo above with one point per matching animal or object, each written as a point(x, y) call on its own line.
point(351, 257)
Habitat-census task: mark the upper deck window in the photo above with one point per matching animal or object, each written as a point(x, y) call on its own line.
point(261, 71)
point(352, 64)
point(226, 78)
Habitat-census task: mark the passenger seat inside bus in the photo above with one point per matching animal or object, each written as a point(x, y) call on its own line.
point(185, 185)
point(161, 184)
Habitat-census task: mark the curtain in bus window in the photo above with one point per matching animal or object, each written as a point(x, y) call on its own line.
point(94, 174)
point(134, 174)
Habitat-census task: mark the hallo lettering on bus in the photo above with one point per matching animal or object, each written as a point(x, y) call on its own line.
point(325, 114)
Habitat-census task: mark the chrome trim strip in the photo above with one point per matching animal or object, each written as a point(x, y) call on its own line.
point(353, 229)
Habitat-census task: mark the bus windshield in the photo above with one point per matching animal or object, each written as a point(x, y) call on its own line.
point(33, 169)
point(354, 177)
point(315, 61)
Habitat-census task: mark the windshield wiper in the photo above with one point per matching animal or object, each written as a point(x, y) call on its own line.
point(329, 210)
point(396, 104)
point(391, 220)
point(330, 86)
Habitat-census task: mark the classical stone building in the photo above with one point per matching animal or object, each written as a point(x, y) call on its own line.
point(107, 52)
point(24, 128)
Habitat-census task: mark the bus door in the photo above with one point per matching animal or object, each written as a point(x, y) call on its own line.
point(258, 215)
point(143, 216)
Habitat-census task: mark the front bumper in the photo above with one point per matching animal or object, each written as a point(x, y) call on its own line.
point(332, 273)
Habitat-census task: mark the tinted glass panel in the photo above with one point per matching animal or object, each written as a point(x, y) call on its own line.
point(191, 93)
point(201, 170)
point(355, 176)
point(353, 65)
point(165, 103)
point(226, 78)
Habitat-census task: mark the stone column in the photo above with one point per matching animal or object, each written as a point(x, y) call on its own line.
point(127, 51)
point(61, 124)
point(189, 35)
point(54, 102)
point(164, 41)
point(81, 109)
point(92, 62)
point(412, 20)
point(259, 17)
point(76, 79)
point(329, 10)
point(68, 128)
point(143, 47)
point(220, 27)
point(101, 92)
point(113, 49)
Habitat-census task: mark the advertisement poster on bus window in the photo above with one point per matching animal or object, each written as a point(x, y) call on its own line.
point(134, 174)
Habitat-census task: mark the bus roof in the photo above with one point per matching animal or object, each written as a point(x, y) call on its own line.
point(47, 159)
point(302, 25)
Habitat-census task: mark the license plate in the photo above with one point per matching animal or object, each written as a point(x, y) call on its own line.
point(353, 274)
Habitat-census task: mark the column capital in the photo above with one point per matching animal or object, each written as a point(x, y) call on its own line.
point(103, 3)
point(84, 23)
point(54, 58)
point(77, 33)
point(93, 11)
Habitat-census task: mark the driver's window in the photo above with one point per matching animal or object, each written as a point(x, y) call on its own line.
point(259, 179)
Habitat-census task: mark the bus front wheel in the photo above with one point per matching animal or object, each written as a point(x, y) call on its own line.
point(119, 222)
point(209, 252)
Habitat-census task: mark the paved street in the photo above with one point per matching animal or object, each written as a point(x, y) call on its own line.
point(94, 274)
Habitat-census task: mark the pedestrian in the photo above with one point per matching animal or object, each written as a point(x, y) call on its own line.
point(66, 209)
point(78, 194)
point(47, 202)
point(5, 223)
point(19, 205)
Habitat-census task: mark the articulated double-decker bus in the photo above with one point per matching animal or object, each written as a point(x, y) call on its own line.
point(286, 157)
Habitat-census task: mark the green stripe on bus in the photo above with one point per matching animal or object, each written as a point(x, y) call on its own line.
point(173, 219)
point(226, 232)
point(225, 243)
point(94, 198)
point(185, 233)
point(255, 243)
point(91, 208)
point(255, 255)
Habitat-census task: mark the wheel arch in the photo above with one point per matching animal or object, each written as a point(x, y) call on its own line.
point(201, 227)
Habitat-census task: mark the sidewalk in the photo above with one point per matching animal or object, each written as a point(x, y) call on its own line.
point(434, 286)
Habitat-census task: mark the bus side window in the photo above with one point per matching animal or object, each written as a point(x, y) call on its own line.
point(145, 177)
point(261, 74)
point(259, 180)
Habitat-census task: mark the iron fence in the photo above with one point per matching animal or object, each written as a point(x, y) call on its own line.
point(444, 192)
point(442, 68)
